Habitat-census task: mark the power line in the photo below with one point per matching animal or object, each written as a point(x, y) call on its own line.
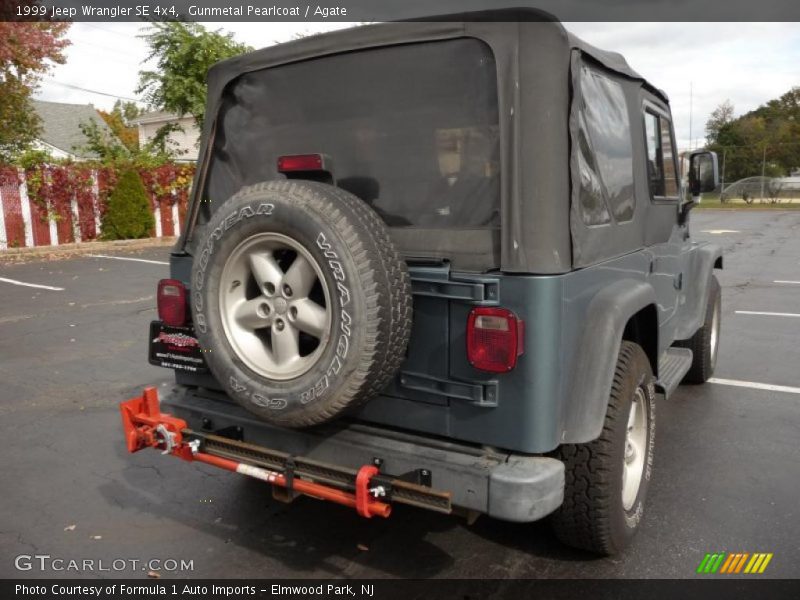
point(83, 89)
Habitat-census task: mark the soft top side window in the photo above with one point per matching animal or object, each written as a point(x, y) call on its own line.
point(605, 150)
point(662, 171)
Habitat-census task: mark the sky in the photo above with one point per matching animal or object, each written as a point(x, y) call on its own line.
point(699, 65)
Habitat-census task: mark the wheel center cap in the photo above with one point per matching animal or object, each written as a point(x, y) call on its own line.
point(281, 306)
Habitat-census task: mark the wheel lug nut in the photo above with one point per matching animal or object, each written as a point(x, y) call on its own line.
point(270, 288)
point(293, 312)
point(279, 325)
point(287, 291)
point(264, 309)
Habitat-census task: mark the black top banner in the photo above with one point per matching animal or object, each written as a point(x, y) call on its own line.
point(398, 10)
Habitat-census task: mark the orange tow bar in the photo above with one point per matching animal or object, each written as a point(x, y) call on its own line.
point(146, 426)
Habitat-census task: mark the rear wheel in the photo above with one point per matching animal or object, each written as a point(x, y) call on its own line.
point(606, 480)
point(292, 305)
point(704, 344)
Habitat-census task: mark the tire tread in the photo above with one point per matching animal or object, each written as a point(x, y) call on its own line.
point(584, 519)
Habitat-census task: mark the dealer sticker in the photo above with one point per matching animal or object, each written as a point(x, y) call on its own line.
point(175, 348)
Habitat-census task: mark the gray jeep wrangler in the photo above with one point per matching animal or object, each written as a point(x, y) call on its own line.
point(446, 264)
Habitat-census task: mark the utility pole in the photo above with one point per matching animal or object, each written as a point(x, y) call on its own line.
point(722, 182)
point(763, 171)
point(690, 115)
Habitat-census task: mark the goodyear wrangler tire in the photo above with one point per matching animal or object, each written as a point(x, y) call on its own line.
point(300, 300)
point(606, 480)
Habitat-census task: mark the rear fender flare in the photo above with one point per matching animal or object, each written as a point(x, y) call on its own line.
point(596, 356)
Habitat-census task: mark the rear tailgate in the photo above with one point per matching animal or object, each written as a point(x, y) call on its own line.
point(435, 367)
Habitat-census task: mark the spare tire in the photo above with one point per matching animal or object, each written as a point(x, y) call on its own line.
point(300, 301)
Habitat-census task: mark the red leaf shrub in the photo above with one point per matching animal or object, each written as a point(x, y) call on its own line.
point(52, 187)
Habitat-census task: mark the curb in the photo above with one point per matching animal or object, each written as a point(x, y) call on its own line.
point(84, 248)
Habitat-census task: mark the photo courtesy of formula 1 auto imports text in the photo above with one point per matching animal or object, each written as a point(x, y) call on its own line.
point(397, 299)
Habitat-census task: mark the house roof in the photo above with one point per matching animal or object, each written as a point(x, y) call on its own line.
point(61, 126)
point(157, 116)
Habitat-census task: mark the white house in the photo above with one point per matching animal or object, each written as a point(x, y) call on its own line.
point(186, 142)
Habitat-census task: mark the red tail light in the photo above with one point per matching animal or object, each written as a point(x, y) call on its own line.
point(495, 338)
point(301, 162)
point(172, 302)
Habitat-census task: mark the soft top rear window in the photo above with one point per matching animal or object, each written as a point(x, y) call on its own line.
point(411, 129)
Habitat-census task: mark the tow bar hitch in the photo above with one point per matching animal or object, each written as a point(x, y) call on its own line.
point(365, 490)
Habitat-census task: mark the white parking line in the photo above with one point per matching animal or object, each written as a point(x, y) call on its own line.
point(114, 302)
point(766, 314)
point(33, 285)
point(756, 386)
point(144, 260)
point(786, 281)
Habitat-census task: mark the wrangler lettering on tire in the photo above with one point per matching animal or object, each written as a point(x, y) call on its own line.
point(303, 300)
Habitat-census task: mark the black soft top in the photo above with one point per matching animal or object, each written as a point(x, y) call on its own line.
point(534, 56)
point(365, 36)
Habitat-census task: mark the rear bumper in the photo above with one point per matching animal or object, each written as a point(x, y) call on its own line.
point(505, 486)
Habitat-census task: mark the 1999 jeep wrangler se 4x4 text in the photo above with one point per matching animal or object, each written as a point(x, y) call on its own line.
point(445, 264)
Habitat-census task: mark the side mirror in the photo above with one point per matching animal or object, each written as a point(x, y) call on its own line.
point(703, 172)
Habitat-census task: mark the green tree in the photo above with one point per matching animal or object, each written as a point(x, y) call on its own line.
point(767, 137)
point(109, 149)
point(118, 120)
point(27, 52)
point(183, 52)
point(112, 151)
point(720, 118)
point(783, 117)
point(128, 214)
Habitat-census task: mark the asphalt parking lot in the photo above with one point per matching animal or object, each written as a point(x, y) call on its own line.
point(727, 464)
